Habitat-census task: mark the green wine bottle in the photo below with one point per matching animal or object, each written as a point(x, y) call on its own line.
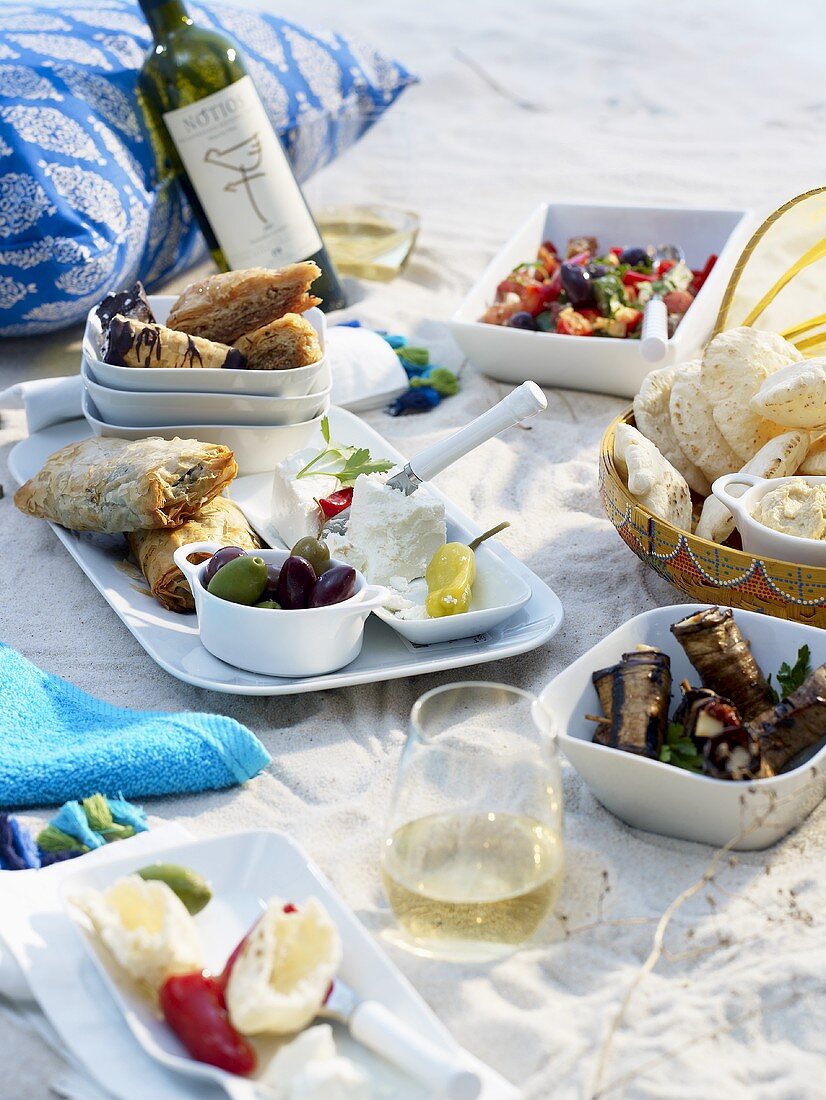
point(210, 130)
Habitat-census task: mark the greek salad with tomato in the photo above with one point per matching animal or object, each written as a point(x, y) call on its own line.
point(590, 292)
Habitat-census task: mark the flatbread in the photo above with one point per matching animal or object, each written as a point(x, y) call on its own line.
point(814, 464)
point(693, 423)
point(735, 364)
point(780, 457)
point(113, 485)
point(651, 413)
point(651, 479)
point(795, 395)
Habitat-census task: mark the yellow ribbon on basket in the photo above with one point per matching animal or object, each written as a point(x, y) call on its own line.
point(755, 292)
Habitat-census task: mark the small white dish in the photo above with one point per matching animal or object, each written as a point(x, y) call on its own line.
point(661, 798)
point(263, 383)
point(498, 593)
point(598, 364)
point(144, 409)
point(257, 447)
point(272, 641)
point(757, 538)
point(243, 868)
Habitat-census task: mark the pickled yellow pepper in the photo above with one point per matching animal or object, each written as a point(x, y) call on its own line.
point(451, 574)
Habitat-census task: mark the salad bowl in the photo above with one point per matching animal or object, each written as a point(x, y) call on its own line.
point(598, 364)
point(295, 382)
point(661, 798)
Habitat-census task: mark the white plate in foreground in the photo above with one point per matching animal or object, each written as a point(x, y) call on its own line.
point(244, 868)
point(659, 797)
point(172, 640)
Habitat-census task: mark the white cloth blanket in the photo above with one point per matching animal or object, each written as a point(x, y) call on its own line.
point(710, 102)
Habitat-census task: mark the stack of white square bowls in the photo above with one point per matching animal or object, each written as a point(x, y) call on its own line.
point(263, 415)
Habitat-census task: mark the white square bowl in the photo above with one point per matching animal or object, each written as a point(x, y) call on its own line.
point(664, 799)
point(599, 364)
point(294, 382)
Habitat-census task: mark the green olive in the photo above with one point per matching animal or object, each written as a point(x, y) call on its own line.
point(269, 603)
point(241, 580)
point(312, 550)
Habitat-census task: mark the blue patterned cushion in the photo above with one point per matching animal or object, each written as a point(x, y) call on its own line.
point(80, 212)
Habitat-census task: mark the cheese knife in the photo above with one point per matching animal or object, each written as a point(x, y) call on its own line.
point(519, 405)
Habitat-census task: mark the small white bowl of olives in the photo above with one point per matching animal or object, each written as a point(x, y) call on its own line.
point(278, 612)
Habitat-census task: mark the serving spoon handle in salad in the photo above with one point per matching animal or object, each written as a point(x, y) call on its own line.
point(520, 404)
point(654, 334)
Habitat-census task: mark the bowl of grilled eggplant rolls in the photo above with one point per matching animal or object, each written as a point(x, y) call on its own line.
point(700, 722)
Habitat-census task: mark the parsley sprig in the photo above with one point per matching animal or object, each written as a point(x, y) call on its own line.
point(680, 750)
point(791, 677)
point(342, 462)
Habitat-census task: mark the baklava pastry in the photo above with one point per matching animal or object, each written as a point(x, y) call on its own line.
point(224, 307)
point(287, 342)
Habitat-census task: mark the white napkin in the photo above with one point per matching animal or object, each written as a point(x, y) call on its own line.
point(366, 372)
point(47, 401)
point(43, 960)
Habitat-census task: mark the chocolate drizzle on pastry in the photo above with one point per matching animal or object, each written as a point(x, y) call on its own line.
point(132, 343)
point(131, 303)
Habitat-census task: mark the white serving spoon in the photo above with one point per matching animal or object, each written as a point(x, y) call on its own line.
point(520, 404)
point(654, 335)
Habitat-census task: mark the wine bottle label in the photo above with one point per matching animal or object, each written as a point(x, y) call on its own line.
point(243, 179)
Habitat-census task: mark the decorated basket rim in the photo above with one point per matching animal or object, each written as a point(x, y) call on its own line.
point(741, 567)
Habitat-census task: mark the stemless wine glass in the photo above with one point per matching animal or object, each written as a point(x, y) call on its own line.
point(474, 857)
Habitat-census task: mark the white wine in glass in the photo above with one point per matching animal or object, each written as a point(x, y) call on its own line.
point(474, 857)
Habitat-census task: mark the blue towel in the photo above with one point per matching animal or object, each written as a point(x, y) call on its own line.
point(58, 743)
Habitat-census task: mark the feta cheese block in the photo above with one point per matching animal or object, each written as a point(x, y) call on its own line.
point(294, 510)
point(390, 537)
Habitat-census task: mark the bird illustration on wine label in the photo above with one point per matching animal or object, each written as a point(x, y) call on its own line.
point(245, 160)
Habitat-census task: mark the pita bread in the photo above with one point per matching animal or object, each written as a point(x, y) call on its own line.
point(795, 396)
point(651, 479)
point(735, 365)
point(814, 464)
point(694, 426)
point(654, 421)
point(780, 457)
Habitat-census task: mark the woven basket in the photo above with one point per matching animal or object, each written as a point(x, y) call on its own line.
point(707, 572)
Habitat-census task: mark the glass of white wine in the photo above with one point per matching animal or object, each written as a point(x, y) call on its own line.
point(474, 856)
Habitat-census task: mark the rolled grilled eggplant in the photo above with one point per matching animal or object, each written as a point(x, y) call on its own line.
point(703, 713)
point(733, 754)
point(635, 696)
point(714, 645)
point(794, 725)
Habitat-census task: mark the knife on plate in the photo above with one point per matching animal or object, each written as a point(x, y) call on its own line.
point(520, 404)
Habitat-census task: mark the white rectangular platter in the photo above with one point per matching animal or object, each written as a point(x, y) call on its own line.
point(172, 639)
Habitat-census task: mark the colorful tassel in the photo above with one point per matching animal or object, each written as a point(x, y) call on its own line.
point(52, 839)
point(126, 813)
point(99, 816)
point(17, 852)
point(71, 819)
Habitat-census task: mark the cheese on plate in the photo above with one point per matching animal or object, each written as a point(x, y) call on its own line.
point(390, 537)
point(294, 511)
